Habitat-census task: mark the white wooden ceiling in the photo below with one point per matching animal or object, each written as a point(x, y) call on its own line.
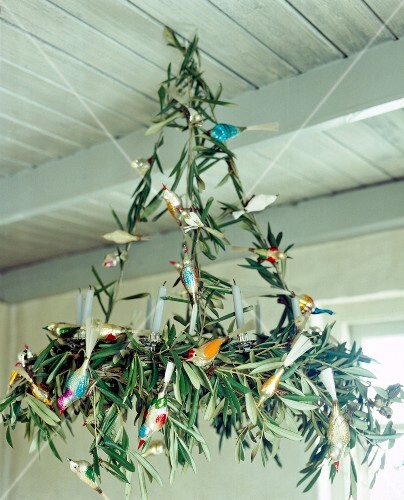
point(78, 75)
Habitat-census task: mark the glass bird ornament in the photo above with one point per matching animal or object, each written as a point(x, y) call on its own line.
point(85, 472)
point(77, 383)
point(307, 306)
point(114, 258)
point(192, 116)
point(191, 221)
point(25, 356)
point(39, 391)
point(174, 204)
point(141, 165)
point(62, 329)
point(223, 131)
point(123, 237)
point(338, 433)
point(270, 386)
point(156, 414)
point(155, 448)
point(107, 332)
point(205, 354)
point(272, 254)
point(189, 276)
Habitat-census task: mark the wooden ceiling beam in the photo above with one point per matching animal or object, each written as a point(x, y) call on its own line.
point(328, 96)
point(321, 220)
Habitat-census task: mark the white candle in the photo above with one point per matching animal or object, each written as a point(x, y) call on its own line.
point(79, 308)
point(238, 305)
point(258, 323)
point(295, 307)
point(88, 306)
point(149, 313)
point(158, 314)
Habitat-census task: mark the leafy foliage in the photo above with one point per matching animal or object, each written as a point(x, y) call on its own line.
point(125, 374)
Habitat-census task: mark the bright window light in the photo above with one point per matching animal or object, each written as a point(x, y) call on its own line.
point(385, 343)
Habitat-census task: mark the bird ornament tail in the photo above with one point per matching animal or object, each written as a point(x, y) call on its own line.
point(302, 345)
point(191, 221)
point(257, 203)
point(270, 127)
point(327, 378)
point(270, 386)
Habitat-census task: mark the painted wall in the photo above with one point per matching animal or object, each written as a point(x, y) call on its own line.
point(362, 279)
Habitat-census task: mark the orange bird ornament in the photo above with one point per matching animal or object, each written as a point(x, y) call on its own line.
point(205, 354)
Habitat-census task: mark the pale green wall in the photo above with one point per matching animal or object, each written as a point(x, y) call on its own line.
point(334, 271)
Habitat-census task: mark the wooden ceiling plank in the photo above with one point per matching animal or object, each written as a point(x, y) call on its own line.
point(390, 126)
point(47, 229)
point(288, 159)
point(221, 38)
point(330, 177)
point(40, 91)
point(365, 142)
point(49, 64)
point(253, 164)
point(9, 167)
point(49, 121)
point(352, 26)
point(67, 34)
point(33, 136)
point(34, 107)
point(46, 122)
point(332, 154)
point(15, 161)
point(80, 223)
point(304, 50)
point(390, 11)
point(10, 146)
point(120, 21)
